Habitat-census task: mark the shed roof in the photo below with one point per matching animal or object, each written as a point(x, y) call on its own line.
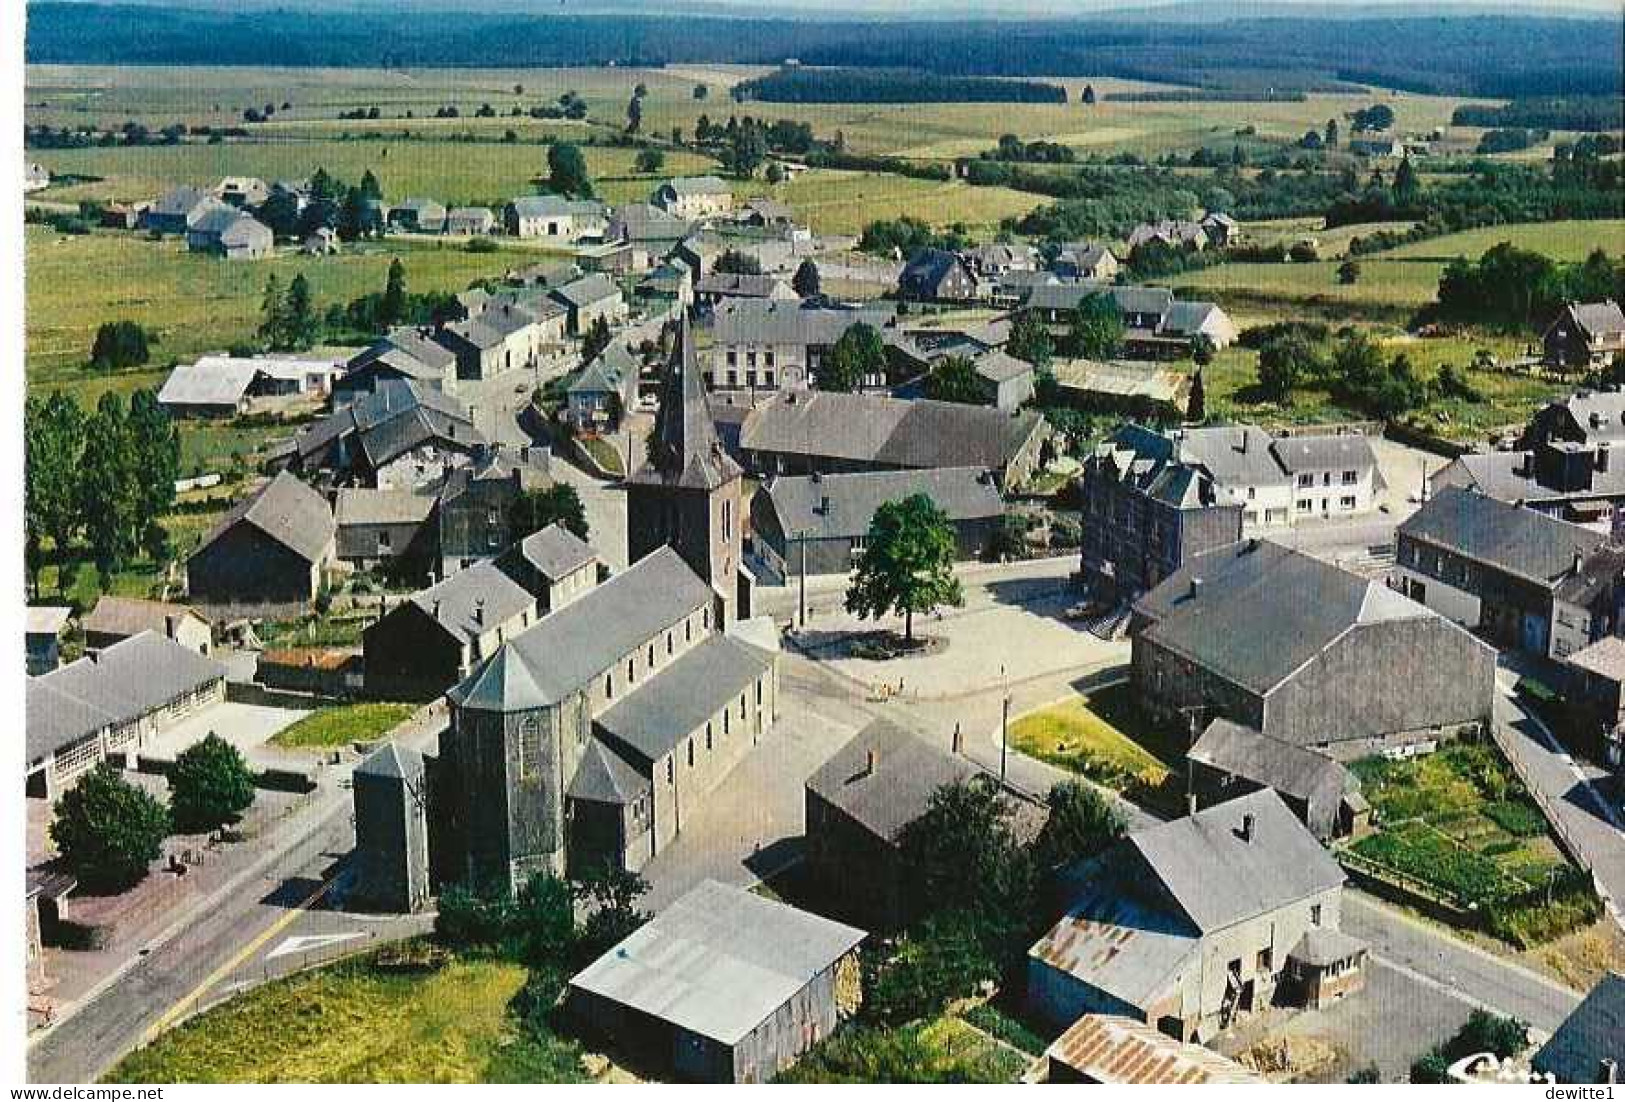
point(473, 600)
point(1605, 657)
point(1291, 770)
point(1105, 1048)
point(605, 777)
point(554, 551)
point(133, 615)
point(1595, 1030)
point(719, 961)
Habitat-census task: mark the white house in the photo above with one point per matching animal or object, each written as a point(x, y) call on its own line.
point(556, 218)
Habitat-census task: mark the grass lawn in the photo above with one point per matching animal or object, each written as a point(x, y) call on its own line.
point(835, 201)
point(342, 725)
point(1103, 737)
point(604, 454)
point(351, 1023)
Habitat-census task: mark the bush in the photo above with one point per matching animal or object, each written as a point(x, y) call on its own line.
point(481, 245)
point(120, 344)
point(939, 962)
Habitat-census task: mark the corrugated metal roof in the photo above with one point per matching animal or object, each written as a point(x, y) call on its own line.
point(718, 961)
point(1105, 1048)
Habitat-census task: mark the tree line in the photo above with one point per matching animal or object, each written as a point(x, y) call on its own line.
point(904, 85)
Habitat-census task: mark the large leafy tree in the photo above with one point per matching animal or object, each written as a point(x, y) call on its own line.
point(858, 353)
point(119, 344)
point(567, 171)
point(108, 830)
point(955, 380)
point(612, 895)
point(1097, 328)
point(534, 510)
point(110, 493)
point(210, 785)
point(53, 441)
point(1081, 823)
point(1030, 340)
point(907, 563)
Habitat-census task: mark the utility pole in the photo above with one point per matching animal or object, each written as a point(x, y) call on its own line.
point(1004, 730)
point(802, 540)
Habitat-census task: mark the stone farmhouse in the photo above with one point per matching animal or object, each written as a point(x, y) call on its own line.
point(1083, 260)
point(404, 435)
point(555, 218)
point(272, 548)
point(1305, 653)
point(1585, 335)
point(554, 564)
point(226, 231)
point(694, 197)
point(1192, 925)
point(767, 345)
point(1230, 760)
point(417, 216)
point(589, 298)
point(1155, 326)
point(225, 386)
point(404, 353)
point(723, 986)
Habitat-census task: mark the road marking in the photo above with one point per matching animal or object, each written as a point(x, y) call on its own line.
point(304, 943)
point(171, 1015)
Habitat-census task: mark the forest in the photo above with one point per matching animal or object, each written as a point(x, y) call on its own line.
point(1480, 56)
point(797, 85)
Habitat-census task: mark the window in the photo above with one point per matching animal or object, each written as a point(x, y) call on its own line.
point(671, 770)
point(750, 358)
point(733, 358)
point(750, 379)
point(708, 736)
point(1346, 502)
point(668, 644)
point(1266, 961)
point(768, 359)
point(1252, 492)
point(1306, 480)
point(727, 518)
point(691, 753)
point(1326, 479)
point(767, 380)
point(1305, 505)
point(688, 631)
point(1350, 477)
point(609, 686)
point(651, 656)
point(1314, 914)
point(725, 721)
point(383, 542)
point(733, 378)
point(629, 671)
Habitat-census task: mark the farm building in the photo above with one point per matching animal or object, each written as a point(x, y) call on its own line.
point(1230, 760)
point(1107, 1048)
point(723, 986)
point(555, 218)
point(270, 549)
point(118, 618)
point(692, 197)
point(225, 386)
point(554, 564)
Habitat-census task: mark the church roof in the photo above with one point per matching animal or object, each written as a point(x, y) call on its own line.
point(684, 449)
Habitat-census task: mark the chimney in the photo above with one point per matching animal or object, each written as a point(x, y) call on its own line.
point(1247, 822)
point(1602, 456)
point(479, 610)
point(959, 740)
point(1608, 1071)
point(871, 760)
point(435, 610)
point(1196, 588)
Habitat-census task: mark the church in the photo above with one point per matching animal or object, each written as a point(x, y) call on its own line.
point(588, 737)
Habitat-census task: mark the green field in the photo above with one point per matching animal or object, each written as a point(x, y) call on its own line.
point(342, 725)
point(352, 1023)
point(844, 202)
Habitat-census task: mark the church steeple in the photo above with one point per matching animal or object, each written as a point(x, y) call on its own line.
point(684, 449)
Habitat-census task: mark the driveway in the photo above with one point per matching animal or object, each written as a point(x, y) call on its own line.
point(248, 727)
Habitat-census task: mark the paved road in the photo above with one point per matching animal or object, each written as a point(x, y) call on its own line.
point(1566, 791)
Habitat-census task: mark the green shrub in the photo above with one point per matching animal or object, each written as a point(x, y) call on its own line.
point(1519, 819)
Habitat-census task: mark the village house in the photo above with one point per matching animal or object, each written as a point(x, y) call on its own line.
point(176, 211)
point(115, 619)
point(228, 232)
point(734, 285)
point(404, 435)
point(1175, 234)
point(766, 213)
point(1136, 391)
point(648, 226)
point(547, 315)
point(470, 222)
point(322, 241)
point(1305, 653)
point(1146, 513)
point(819, 523)
point(770, 345)
point(1594, 696)
point(404, 353)
point(556, 218)
point(122, 216)
point(242, 191)
point(798, 432)
point(723, 986)
point(225, 386)
point(1279, 481)
point(615, 258)
point(1084, 260)
point(1007, 383)
point(1586, 1048)
point(417, 216)
point(498, 339)
point(1221, 229)
point(992, 261)
point(1155, 326)
point(554, 564)
point(1522, 579)
point(858, 804)
point(1111, 1049)
point(435, 638)
point(42, 637)
point(475, 503)
point(937, 275)
point(384, 528)
point(589, 298)
point(701, 251)
point(1585, 335)
point(599, 395)
point(1230, 760)
point(272, 548)
point(1153, 934)
point(694, 197)
point(114, 700)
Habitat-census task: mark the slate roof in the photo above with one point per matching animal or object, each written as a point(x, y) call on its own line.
point(615, 370)
point(1605, 658)
point(1345, 451)
point(739, 285)
point(925, 271)
point(1597, 319)
point(782, 321)
point(132, 616)
point(401, 414)
point(394, 762)
point(908, 770)
point(412, 353)
point(1291, 770)
point(662, 712)
point(563, 650)
point(646, 222)
point(1595, 1030)
point(1105, 1048)
point(697, 185)
point(890, 431)
point(684, 449)
point(719, 961)
point(125, 681)
point(1501, 475)
point(1519, 541)
point(480, 589)
point(554, 552)
point(1263, 610)
point(1234, 455)
point(556, 206)
point(288, 511)
point(842, 505)
point(587, 290)
point(355, 506)
point(605, 777)
point(181, 200)
point(998, 366)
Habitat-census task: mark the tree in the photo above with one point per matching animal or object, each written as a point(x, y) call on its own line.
point(650, 161)
point(634, 114)
point(108, 830)
point(1406, 184)
point(1097, 328)
point(1331, 133)
point(280, 213)
point(1379, 116)
point(358, 216)
point(907, 563)
point(734, 262)
point(1283, 363)
point(940, 961)
point(955, 380)
point(612, 893)
point(544, 922)
point(1202, 350)
point(290, 319)
point(775, 173)
point(370, 187)
point(701, 91)
point(746, 152)
point(155, 455)
point(567, 171)
point(109, 491)
point(1081, 823)
point(211, 785)
point(1348, 272)
point(1089, 93)
point(119, 344)
point(806, 282)
point(1196, 404)
point(392, 307)
point(1030, 340)
point(596, 339)
point(858, 354)
point(534, 510)
point(53, 441)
